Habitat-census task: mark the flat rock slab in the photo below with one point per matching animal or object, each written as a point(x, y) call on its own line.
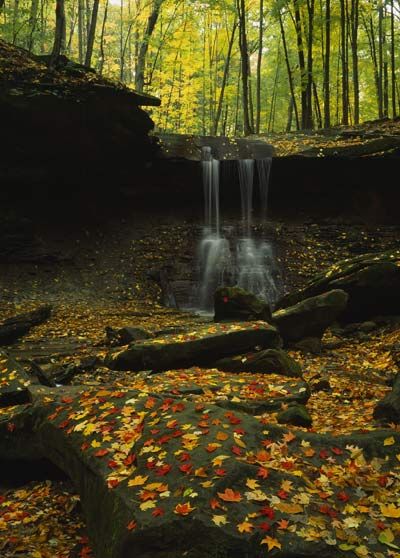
point(166, 477)
point(14, 382)
point(203, 345)
point(252, 393)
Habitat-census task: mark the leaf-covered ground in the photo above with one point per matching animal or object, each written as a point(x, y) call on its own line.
point(347, 378)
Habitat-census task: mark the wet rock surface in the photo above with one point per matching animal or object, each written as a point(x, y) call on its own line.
point(310, 317)
point(203, 345)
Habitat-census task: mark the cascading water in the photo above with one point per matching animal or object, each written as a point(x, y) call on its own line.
point(214, 252)
point(226, 258)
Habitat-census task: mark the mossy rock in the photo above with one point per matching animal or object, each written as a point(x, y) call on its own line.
point(204, 345)
point(236, 304)
point(270, 361)
point(372, 282)
point(297, 415)
point(310, 317)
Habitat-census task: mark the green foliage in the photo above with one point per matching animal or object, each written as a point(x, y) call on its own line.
point(188, 49)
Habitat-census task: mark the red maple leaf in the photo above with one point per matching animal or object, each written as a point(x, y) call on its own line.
point(268, 512)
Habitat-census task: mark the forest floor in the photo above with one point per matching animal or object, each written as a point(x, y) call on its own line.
point(103, 281)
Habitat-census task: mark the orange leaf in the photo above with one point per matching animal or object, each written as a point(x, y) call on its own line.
point(183, 509)
point(289, 437)
point(131, 525)
point(230, 495)
point(221, 436)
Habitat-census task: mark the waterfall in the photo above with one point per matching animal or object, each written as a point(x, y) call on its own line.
point(246, 178)
point(211, 189)
point(225, 258)
point(264, 171)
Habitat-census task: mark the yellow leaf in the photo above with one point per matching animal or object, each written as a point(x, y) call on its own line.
point(95, 444)
point(219, 520)
point(271, 542)
point(239, 442)
point(147, 505)
point(252, 484)
point(362, 551)
point(390, 511)
point(389, 441)
point(289, 508)
point(286, 485)
point(245, 527)
point(138, 481)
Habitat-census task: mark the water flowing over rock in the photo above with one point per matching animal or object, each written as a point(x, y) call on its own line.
point(227, 257)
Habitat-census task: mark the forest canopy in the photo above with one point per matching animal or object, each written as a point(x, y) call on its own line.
point(229, 67)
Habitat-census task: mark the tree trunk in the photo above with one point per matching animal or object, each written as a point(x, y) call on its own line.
point(244, 54)
point(259, 63)
point(345, 70)
point(309, 91)
point(380, 60)
point(289, 71)
point(302, 64)
point(32, 24)
point(103, 28)
point(327, 60)
point(59, 37)
point(81, 31)
point(144, 47)
point(354, 55)
point(393, 59)
point(224, 79)
point(92, 33)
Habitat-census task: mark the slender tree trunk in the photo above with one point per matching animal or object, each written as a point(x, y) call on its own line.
point(103, 29)
point(289, 70)
point(144, 47)
point(92, 33)
point(32, 24)
point(327, 59)
point(345, 69)
point(302, 64)
point(369, 30)
point(224, 79)
point(15, 17)
point(354, 55)
point(259, 63)
point(393, 59)
point(81, 30)
point(385, 68)
point(309, 91)
point(318, 111)
point(380, 59)
point(59, 36)
point(241, 9)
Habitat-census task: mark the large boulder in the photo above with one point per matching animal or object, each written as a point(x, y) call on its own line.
point(162, 477)
point(372, 282)
point(202, 346)
point(310, 317)
point(270, 361)
point(235, 304)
